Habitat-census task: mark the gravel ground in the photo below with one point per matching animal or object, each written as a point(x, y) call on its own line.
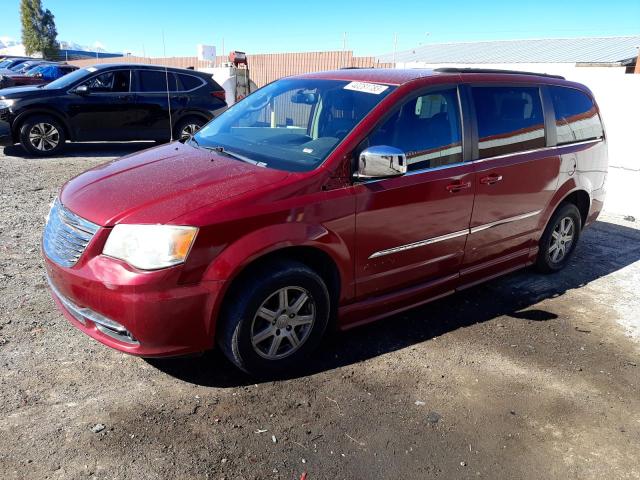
point(525, 377)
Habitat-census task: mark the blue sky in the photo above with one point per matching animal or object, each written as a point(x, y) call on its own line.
point(281, 26)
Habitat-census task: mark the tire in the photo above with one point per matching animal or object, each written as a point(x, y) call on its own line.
point(556, 247)
point(48, 130)
point(247, 336)
point(187, 126)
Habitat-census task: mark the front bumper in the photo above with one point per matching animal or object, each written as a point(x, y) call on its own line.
point(141, 313)
point(6, 137)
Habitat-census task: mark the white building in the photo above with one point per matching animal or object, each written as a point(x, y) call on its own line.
point(604, 64)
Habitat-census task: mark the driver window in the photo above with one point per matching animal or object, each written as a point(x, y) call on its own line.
point(426, 128)
point(110, 82)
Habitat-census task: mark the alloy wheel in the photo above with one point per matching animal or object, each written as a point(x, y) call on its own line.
point(189, 130)
point(561, 239)
point(44, 137)
point(283, 323)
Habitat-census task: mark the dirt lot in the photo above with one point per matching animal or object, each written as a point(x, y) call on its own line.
point(526, 377)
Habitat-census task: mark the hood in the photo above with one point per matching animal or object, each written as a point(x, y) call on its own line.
point(13, 93)
point(160, 184)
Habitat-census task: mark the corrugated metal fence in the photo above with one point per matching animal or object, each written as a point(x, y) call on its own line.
point(264, 68)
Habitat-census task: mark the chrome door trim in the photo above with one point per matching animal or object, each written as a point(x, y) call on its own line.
point(452, 235)
point(522, 216)
point(421, 243)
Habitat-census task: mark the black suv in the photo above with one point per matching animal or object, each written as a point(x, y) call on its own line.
point(109, 102)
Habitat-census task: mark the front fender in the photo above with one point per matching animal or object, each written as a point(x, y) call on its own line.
point(238, 255)
point(40, 110)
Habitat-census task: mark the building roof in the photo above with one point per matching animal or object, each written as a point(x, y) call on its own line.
point(615, 50)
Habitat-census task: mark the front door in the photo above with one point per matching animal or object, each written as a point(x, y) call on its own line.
point(515, 178)
point(105, 111)
point(411, 230)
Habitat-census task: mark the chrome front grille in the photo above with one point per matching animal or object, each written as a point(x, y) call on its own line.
point(66, 235)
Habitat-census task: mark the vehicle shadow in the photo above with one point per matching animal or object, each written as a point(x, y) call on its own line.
point(604, 248)
point(88, 149)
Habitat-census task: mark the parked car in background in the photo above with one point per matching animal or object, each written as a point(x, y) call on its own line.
point(8, 63)
point(37, 75)
point(109, 102)
point(334, 198)
point(24, 67)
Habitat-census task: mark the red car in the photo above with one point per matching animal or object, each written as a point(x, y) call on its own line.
point(333, 198)
point(37, 75)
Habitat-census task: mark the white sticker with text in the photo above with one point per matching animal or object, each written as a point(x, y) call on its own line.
point(374, 88)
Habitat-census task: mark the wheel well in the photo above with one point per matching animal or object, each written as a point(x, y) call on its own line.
point(314, 258)
point(190, 115)
point(21, 120)
point(580, 199)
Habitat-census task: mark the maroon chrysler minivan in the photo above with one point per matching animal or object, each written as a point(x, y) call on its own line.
point(326, 199)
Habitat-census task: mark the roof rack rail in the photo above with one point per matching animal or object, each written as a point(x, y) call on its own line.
point(494, 70)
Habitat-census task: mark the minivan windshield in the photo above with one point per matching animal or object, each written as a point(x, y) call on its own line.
point(70, 78)
point(291, 124)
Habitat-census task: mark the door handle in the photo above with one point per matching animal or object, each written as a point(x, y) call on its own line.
point(457, 186)
point(491, 179)
point(125, 97)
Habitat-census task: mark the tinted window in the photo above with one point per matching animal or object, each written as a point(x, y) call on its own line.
point(189, 82)
point(510, 119)
point(110, 82)
point(427, 129)
point(576, 116)
point(156, 81)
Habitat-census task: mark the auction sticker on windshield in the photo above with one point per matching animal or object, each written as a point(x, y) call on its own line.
point(366, 87)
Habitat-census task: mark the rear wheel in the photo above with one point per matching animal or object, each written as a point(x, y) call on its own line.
point(42, 135)
point(559, 239)
point(187, 127)
point(275, 319)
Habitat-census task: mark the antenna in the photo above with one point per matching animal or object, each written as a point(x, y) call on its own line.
point(166, 76)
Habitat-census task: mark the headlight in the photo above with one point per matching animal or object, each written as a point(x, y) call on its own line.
point(150, 247)
point(6, 103)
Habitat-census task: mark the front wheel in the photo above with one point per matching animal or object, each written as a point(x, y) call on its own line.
point(559, 239)
point(275, 318)
point(42, 135)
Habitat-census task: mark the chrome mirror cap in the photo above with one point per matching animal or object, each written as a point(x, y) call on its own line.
point(381, 162)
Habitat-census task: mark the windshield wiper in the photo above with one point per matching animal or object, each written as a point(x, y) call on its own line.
point(237, 156)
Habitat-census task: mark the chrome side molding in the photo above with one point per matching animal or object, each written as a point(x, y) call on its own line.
point(421, 243)
point(449, 236)
point(479, 228)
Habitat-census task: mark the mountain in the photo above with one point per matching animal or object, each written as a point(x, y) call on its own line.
point(9, 46)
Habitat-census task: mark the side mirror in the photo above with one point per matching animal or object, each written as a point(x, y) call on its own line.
point(381, 162)
point(82, 90)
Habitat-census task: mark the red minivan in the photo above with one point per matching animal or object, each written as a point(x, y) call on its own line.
point(326, 199)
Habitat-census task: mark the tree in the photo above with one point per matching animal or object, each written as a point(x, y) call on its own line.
point(38, 29)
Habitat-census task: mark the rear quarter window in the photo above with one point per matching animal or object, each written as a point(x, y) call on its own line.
point(576, 116)
point(510, 119)
point(189, 82)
